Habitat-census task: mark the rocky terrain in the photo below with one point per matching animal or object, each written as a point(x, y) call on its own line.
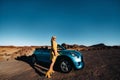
point(12, 52)
point(101, 63)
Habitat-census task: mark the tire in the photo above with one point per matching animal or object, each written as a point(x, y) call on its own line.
point(65, 66)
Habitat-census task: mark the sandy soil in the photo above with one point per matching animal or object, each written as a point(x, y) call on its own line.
point(8, 53)
point(99, 65)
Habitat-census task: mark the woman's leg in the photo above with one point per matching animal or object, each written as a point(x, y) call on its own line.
point(52, 64)
point(48, 74)
point(50, 71)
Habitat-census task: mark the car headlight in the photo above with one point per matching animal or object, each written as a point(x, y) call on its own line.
point(74, 55)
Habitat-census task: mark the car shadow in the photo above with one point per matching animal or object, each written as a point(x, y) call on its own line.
point(40, 68)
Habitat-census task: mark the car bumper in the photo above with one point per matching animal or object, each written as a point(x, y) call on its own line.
point(78, 63)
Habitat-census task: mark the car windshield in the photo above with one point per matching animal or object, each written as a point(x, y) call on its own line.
point(60, 47)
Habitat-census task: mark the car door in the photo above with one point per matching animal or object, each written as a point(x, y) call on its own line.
point(45, 56)
point(38, 53)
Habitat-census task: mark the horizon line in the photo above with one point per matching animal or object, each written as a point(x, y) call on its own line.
point(65, 43)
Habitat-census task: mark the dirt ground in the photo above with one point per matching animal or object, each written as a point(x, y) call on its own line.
point(99, 65)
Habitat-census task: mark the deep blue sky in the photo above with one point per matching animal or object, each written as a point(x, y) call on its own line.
point(83, 22)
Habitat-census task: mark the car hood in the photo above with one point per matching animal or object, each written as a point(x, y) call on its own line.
point(62, 52)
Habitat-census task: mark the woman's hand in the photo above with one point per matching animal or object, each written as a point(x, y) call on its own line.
point(57, 54)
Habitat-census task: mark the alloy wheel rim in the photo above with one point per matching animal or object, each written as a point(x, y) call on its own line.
point(64, 66)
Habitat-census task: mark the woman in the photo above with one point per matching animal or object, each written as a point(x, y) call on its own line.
point(53, 56)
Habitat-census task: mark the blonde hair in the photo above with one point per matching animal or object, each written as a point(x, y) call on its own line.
point(53, 37)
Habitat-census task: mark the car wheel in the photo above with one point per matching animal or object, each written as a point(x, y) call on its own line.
point(65, 66)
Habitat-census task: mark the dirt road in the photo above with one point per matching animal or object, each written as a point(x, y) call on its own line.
point(99, 65)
